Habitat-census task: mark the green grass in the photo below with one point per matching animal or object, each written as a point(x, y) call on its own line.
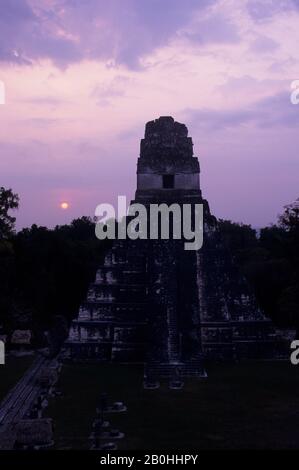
point(12, 371)
point(237, 406)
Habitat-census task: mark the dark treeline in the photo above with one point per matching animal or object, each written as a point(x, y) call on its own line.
point(270, 262)
point(44, 273)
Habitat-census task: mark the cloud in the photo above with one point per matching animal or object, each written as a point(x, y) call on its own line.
point(101, 69)
point(263, 44)
point(271, 112)
point(69, 31)
point(45, 101)
point(26, 36)
point(104, 92)
point(282, 66)
point(261, 10)
point(214, 28)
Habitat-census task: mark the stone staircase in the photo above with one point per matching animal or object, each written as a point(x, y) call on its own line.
point(170, 370)
point(173, 336)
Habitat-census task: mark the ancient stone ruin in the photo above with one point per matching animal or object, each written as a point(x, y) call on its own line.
point(156, 303)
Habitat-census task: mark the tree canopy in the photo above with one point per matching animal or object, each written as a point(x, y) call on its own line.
point(270, 262)
point(45, 273)
point(8, 201)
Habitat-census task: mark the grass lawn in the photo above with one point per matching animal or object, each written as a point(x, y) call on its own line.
point(238, 406)
point(12, 371)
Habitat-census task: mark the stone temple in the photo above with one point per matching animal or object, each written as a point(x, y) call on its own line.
point(155, 303)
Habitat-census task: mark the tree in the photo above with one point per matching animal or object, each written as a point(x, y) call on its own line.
point(270, 262)
point(238, 238)
point(289, 220)
point(8, 201)
point(54, 268)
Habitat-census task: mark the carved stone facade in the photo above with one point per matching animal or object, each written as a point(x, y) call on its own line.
point(156, 303)
point(112, 323)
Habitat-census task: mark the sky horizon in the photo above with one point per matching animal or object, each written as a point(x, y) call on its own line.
point(83, 78)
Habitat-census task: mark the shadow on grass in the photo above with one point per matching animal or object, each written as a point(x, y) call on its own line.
point(250, 405)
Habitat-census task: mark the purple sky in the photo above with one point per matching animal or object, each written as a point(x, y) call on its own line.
point(83, 77)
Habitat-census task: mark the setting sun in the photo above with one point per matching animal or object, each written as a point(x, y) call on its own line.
point(64, 205)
